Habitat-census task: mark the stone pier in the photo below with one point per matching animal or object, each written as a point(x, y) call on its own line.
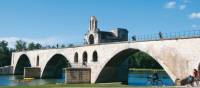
point(32, 72)
point(78, 75)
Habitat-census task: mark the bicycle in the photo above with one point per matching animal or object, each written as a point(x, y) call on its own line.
point(152, 81)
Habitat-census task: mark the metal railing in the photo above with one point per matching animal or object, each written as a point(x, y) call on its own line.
point(138, 38)
point(167, 36)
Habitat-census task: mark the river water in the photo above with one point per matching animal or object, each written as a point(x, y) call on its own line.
point(135, 78)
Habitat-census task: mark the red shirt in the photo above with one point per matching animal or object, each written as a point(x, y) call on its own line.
point(195, 73)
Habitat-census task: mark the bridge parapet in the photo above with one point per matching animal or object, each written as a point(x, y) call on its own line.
point(168, 36)
point(137, 38)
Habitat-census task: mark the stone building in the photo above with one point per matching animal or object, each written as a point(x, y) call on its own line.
point(95, 36)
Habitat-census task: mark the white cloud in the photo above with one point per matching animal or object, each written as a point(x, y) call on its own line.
point(196, 26)
point(170, 5)
point(185, 1)
point(45, 41)
point(177, 5)
point(182, 7)
point(195, 15)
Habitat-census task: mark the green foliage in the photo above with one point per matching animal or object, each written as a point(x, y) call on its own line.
point(32, 46)
point(53, 47)
point(20, 45)
point(142, 60)
point(38, 46)
point(71, 45)
point(5, 53)
point(62, 46)
point(3, 47)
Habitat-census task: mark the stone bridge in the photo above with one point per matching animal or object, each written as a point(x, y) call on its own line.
point(178, 57)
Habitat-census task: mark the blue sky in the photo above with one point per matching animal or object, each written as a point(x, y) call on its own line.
point(66, 21)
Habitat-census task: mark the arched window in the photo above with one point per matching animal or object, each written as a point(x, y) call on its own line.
point(91, 39)
point(84, 58)
point(38, 60)
point(76, 57)
point(95, 56)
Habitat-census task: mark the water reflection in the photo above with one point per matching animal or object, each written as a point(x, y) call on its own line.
point(135, 78)
point(139, 78)
point(17, 80)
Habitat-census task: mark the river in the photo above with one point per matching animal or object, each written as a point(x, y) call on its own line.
point(135, 78)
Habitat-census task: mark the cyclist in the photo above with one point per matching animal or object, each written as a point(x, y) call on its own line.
point(155, 77)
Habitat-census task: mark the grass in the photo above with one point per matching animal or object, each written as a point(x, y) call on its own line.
point(104, 85)
point(71, 85)
point(143, 69)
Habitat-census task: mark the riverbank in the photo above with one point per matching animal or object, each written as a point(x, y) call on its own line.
point(145, 69)
point(68, 85)
point(108, 85)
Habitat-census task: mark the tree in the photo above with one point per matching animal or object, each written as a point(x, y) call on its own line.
point(53, 46)
point(3, 47)
point(20, 45)
point(31, 46)
point(48, 46)
point(5, 53)
point(142, 60)
point(62, 46)
point(38, 46)
point(71, 45)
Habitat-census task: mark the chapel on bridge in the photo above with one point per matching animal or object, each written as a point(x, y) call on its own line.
point(95, 36)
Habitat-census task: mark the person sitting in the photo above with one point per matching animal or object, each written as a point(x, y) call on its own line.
point(190, 80)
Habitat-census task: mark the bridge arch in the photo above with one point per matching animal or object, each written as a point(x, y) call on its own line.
point(22, 62)
point(116, 69)
point(55, 66)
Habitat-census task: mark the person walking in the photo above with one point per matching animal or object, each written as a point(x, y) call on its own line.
point(195, 73)
point(160, 35)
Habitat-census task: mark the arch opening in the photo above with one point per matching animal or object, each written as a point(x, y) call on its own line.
point(117, 68)
point(55, 67)
point(85, 56)
point(95, 56)
point(21, 64)
point(76, 57)
point(91, 39)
